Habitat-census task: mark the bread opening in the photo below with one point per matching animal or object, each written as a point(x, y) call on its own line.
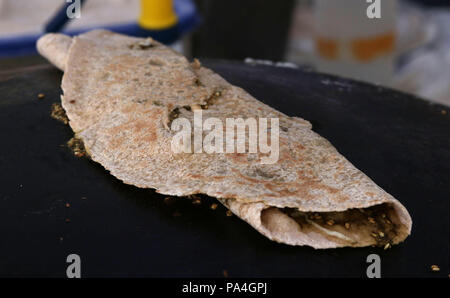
point(378, 225)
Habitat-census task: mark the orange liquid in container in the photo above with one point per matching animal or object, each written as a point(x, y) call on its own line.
point(350, 44)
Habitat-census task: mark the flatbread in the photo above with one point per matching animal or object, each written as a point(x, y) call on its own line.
point(121, 94)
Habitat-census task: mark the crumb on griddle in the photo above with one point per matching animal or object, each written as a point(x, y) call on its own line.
point(444, 112)
point(214, 206)
point(76, 145)
point(40, 95)
point(229, 213)
point(196, 200)
point(58, 113)
point(225, 273)
point(67, 205)
point(168, 200)
point(435, 268)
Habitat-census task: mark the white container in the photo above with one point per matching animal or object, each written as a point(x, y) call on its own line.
point(350, 44)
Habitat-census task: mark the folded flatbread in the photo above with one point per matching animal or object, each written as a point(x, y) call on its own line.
point(121, 94)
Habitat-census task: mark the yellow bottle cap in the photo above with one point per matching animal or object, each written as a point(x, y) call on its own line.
point(157, 14)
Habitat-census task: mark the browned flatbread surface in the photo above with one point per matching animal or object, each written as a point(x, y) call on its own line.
point(122, 93)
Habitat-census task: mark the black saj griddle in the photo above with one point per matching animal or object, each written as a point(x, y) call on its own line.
point(400, 141)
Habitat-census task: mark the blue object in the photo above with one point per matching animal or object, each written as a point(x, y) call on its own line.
point(188, 19)
point(60, 19)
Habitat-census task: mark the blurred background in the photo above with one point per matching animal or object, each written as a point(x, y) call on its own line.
point(408, 48)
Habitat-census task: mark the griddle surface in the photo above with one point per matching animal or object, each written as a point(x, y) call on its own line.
point(401, 142)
